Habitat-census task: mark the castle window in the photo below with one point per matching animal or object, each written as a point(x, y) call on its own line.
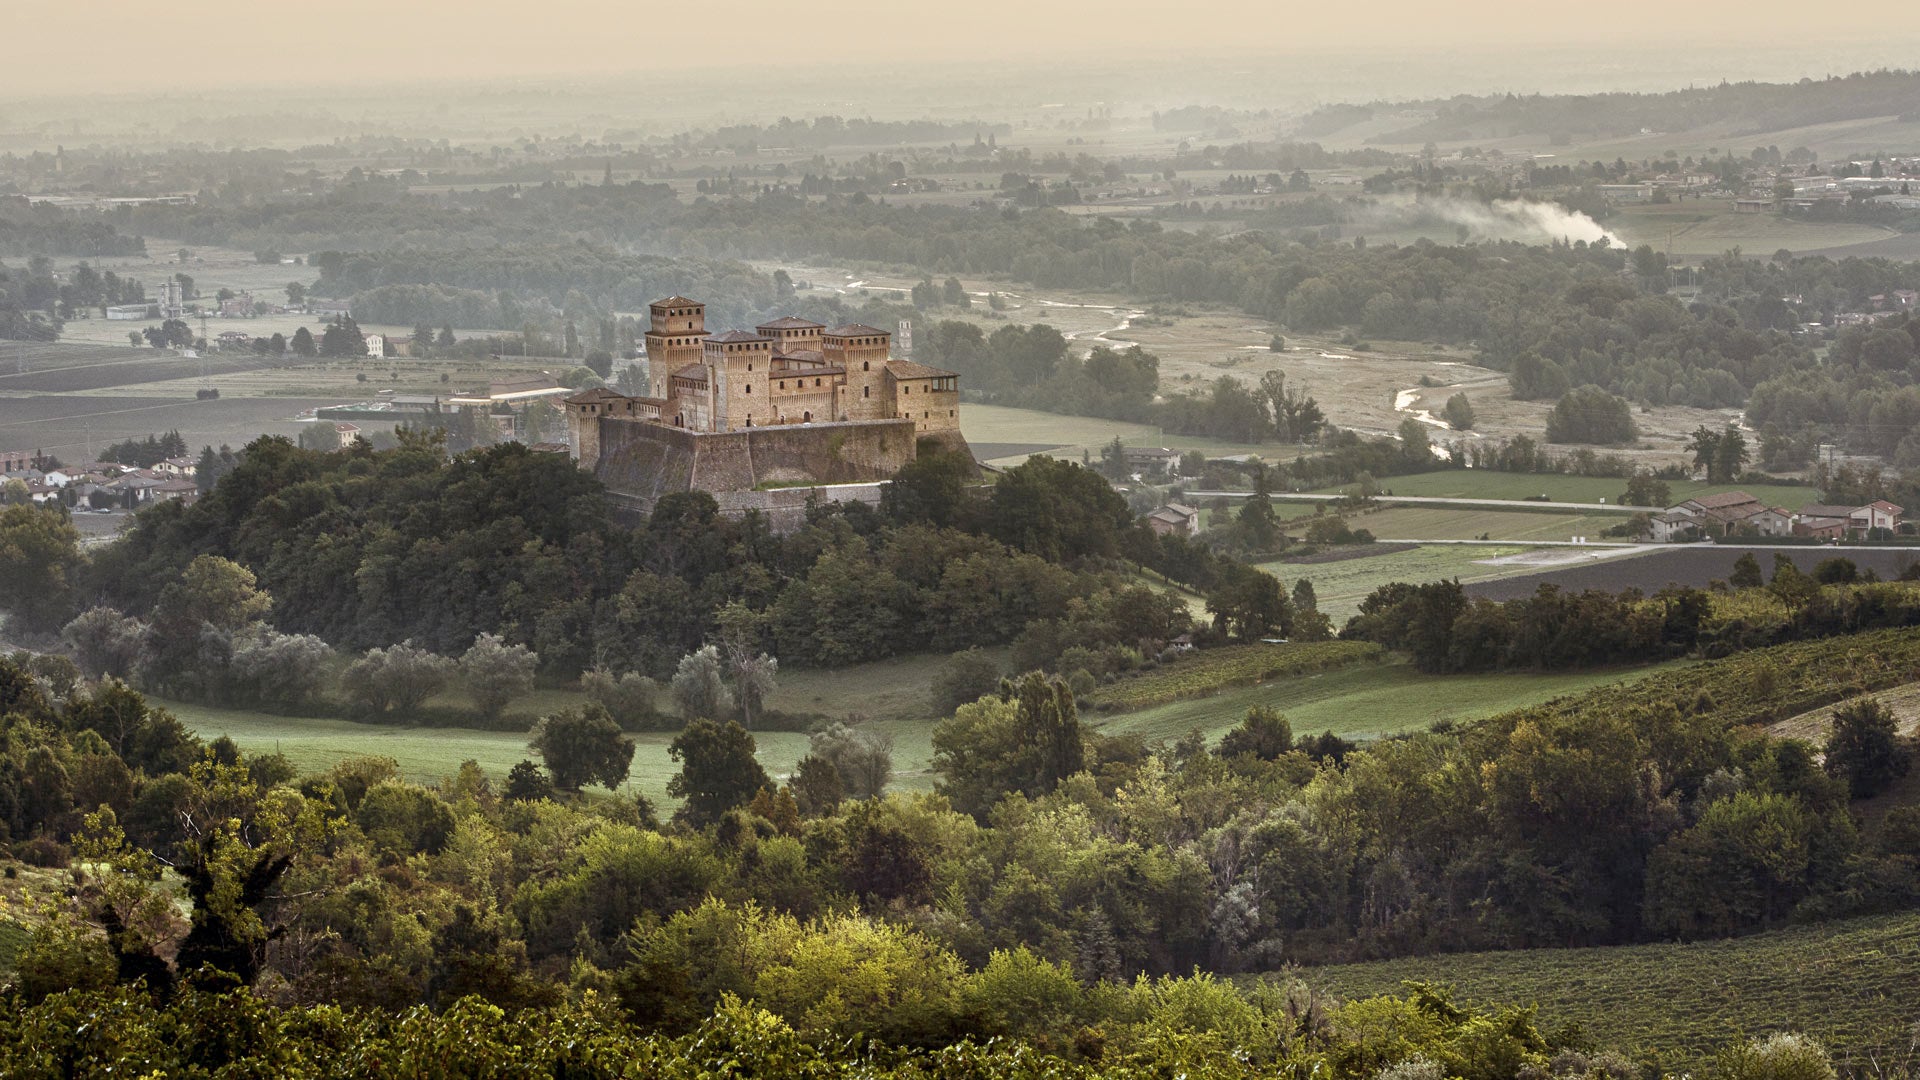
point(749, 388)
point(816, 382)
point(866, 391)
point(783, 384)
point(863, 365)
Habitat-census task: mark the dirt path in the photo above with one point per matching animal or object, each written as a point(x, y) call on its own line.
point(1902, 701)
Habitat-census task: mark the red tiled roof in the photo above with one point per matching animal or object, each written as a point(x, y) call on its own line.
point(598, 393)
point(907, 369)
point(1723, 500)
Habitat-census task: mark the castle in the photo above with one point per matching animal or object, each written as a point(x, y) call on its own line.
point(789, 404)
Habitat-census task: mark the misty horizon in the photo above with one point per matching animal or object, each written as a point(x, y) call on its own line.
point(455, 76)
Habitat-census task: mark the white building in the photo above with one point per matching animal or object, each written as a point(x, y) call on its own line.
point(376, 346)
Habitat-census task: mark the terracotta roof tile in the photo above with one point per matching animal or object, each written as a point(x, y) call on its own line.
point(907, 369)
point(791, 322)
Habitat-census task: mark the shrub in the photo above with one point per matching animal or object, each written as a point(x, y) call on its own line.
point(1864, 748)
point(496, 673)
point(630, 698)
point(965, 677)
point(397, 679)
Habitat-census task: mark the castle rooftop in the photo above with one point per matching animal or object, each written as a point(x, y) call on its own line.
point(791, 322)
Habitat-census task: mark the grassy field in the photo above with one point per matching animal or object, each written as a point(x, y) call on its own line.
point(1201, 674)
point(1849, 984)
point(996, 427)
point(1340, 586)
point(1364, 701)
point(1703, 227)
point(427, 754)
point(1485, 484)
point(892, 694)
point(1435, 523)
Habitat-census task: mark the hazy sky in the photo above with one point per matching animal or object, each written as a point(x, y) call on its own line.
point(61, 49)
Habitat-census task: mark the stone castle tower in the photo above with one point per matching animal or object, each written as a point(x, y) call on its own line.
point(675, 329)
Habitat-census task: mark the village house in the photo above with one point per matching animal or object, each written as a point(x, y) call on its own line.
point(1716, 513)
point(1828, 520)
point(1767, 521)
point(1736, 513)
point(1174, 519)
point(1151, 460)
point(185, 490)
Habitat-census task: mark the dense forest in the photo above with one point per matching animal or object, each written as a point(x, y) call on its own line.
point(1052, 869)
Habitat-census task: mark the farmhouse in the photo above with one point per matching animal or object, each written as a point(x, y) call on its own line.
point(1671, 526)
point(1718, 513)
point(1829, 520)
point(1149, 460)
point(786, 404)
point(1174, 519)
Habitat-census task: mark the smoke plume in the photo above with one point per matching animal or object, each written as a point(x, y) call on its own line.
point(1504, 219)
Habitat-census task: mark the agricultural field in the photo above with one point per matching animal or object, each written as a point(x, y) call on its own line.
point(1204, 674)
point(70, 394)
point(1765, 686)
point(1848, 984)
point(1700, 228)
point(1004, 436)
point(67, 425)
point(76, 369)
point(1439, 523)
point(1486, 484)
point(1363, 701)
point(1340, 586)
point(1697, 565)
point(1813, 726)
